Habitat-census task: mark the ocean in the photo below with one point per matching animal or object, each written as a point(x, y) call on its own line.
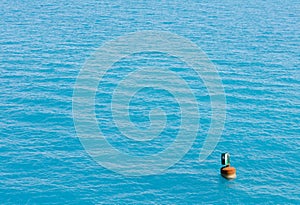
point(149, 153)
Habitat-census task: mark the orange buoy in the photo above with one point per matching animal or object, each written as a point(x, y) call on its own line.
point(228, 172)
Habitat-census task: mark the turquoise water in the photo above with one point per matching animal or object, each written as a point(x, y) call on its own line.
point(254, 46)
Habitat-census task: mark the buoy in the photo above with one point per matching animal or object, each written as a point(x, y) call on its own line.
point(227, 171)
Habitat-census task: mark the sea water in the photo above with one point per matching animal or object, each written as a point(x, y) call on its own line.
point(254, 45)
